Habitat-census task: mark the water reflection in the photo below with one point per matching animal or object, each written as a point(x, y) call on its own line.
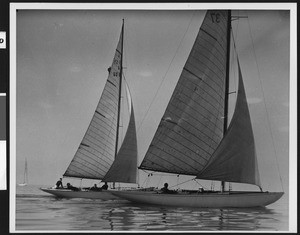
point(159, 218)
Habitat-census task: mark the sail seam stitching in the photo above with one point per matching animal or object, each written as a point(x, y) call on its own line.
point(183, 145)
point(217, 75)
point(101, 148)
point(104, 149)
point(85, 154)
point(200, 96)
point(186, 146)
point(90, 172)
point(196, 111)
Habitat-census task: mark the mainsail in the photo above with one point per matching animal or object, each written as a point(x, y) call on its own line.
point(97, 150)
point(190, 138)
point(192, 125)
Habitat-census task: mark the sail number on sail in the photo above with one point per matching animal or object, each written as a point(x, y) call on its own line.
point(215, 17)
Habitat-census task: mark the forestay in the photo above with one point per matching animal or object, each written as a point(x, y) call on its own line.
point(192, 125)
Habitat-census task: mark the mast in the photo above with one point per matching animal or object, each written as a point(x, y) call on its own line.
point(227, 83)
point(120, 90)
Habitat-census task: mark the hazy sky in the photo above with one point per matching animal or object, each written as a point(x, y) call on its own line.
point(62, 61)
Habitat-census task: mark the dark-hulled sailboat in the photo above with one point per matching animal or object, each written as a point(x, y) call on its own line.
point(193, 137)
point(98, 156)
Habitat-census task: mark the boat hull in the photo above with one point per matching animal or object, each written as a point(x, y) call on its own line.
point(202, 200)
point(67, 193)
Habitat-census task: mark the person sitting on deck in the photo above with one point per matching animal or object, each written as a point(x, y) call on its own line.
point(69, 186)
point(105, 186)
point(95, 188)
point(201, 190)
point(59, 183)
point(166, 190)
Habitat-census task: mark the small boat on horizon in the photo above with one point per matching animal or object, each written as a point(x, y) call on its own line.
point(25, 177)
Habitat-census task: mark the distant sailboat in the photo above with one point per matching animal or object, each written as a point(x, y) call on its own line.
point(25, 177)
point(98, 155)
point(193, 137)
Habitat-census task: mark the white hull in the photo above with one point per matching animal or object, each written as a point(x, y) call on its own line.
point(67, 193)
point(208, 200)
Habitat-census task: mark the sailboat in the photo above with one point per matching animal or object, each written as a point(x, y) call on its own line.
point(98, 156)
point(193, 137)
point(25, 178)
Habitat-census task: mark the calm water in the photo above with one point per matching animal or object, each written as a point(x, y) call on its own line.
point(39, 211)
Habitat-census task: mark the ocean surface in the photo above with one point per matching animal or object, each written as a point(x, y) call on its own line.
point(37, 211)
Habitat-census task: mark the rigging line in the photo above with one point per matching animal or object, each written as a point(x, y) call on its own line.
point(235, 50)
point(269, 127)
point(166, 73)
point(233, 70)
point(121, 122)
point(182, 183)
point(123, 112)
point(128, 98)
point(200, 184)
point(154, 173)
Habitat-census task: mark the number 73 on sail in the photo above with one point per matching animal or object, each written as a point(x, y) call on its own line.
point(193, 136)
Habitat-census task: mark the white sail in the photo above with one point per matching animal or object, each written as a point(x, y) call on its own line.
point(96, 151)
point(192, 126)
point(235, 159)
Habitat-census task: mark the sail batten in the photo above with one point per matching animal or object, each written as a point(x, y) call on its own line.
point(85, 153)
point(105, 162)
point(78, 166)
point(192, 125)
point(106, 148)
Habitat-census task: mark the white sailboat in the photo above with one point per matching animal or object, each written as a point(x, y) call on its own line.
point(98, 156)
point(25, 178)
point(193, 137)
